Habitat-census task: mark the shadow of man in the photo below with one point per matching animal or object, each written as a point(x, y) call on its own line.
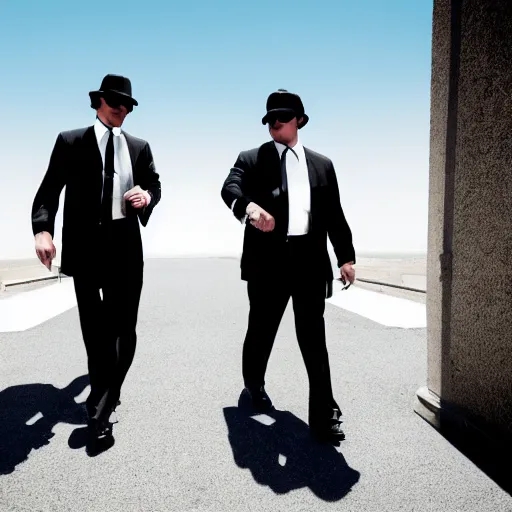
point(29, 413)
point(279, 451)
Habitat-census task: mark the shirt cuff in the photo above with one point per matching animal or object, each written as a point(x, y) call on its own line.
point(243, 219)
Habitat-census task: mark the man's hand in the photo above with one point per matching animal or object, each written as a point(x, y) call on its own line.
point(138, 198)
point(259, 218)
point(45, 249)
point(348, 273)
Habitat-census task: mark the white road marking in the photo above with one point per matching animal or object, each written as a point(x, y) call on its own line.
point(379, 307)
point(80, 399)
point(34, 418)
point(264, 419)
point(28, 309)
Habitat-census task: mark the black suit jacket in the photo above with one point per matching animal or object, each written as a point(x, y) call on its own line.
point(256, 177)
point(76, 164)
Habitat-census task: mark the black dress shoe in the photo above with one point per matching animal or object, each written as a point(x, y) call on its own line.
point(100, 437)
point(329, 433)
point(328, 430)
point(260, 400)
point(99, 430)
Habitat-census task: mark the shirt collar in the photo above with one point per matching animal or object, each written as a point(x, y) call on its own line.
point(100, 129)
point(298, 148)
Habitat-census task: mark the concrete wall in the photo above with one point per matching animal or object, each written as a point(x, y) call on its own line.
point(469, 263)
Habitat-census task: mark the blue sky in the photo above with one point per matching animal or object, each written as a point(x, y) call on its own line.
point(201, 72)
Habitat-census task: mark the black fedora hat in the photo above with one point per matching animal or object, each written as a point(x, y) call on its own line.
point(285, 101)
point(115, 84)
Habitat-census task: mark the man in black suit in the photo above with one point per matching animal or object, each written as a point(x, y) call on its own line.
point(291, 198)
point(111, 184)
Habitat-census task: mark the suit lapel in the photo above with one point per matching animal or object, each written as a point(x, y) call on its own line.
point(92, 145)
point(92, 155)
point(131, 150)
point(272, 165)
point(312, 169)
point(313, 173)
point(269, 170)
point(88, 173)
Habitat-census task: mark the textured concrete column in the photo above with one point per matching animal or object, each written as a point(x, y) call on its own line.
point(469, 273)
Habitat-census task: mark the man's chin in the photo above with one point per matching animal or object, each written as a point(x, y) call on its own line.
point(116, 122)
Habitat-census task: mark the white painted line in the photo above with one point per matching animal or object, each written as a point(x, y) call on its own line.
point(80, 399)
point(28, 309)
point(264, 419)
point(34, 418)
point(381, 308)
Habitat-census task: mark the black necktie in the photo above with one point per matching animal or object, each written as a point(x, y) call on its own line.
point(108, 182)
point(284, 178)
point(284, 187)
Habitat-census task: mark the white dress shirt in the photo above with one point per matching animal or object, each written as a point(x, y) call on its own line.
point(123, 175)
point(299, 189)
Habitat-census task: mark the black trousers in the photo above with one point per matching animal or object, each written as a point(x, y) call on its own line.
point(108, 320)
point(301, 279)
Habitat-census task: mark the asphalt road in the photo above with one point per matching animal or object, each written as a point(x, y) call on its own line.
point(182, 442)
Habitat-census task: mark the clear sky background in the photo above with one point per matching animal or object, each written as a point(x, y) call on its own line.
point(201, 71)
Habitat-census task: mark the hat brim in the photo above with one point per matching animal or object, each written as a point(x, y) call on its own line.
point(93, 94)
point(305, 117)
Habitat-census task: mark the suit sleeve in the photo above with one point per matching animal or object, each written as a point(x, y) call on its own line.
point(151, 183)
point(338, 229)
point(46, 200)
point(235, 190)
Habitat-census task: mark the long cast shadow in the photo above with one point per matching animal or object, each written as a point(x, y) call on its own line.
point(279, 451)
point(20, 404)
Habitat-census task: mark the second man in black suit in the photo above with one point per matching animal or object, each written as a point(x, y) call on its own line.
point(111, 184)
point(288, 198)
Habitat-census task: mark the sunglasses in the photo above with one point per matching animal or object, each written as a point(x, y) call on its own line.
point(116, 100)
point(282, 117)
